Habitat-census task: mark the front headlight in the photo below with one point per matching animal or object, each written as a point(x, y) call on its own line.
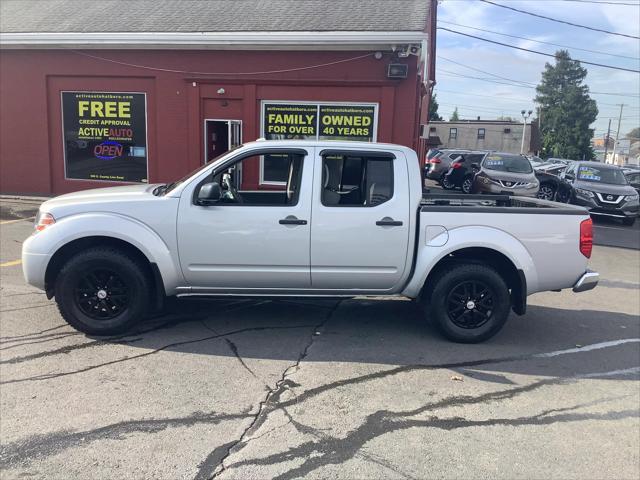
point(630, 198)
point(43, 220)
point(585, 193)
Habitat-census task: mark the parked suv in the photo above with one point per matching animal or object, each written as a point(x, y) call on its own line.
point(460, 174)
point(438, 166)
point(505, 173)
point(602, 188)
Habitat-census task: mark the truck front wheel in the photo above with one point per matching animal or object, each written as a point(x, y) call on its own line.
point(468, 303)
point(102, 291)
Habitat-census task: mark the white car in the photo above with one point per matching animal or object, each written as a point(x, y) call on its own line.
point(334, 219)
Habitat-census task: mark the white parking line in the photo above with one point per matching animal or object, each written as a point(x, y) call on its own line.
point(587, 348)
point(6, 222)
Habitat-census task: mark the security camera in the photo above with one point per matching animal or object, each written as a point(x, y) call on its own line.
point(403, 51)
point(414, 50)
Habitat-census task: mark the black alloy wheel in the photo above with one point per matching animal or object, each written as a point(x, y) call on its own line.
point(467, 185)
point(446, 183)
point(467, 302)
point(103, 290)
point(470, 304)
point(101, 294)
point(546, 192)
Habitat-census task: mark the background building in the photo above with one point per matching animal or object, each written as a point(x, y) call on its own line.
point(498, 135)
point(100, 93)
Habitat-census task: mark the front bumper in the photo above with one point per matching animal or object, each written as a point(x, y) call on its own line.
point(500, 190)
point(34, 265)
point(626, 209)
point(587, 281)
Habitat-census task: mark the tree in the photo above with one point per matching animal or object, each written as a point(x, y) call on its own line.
point(633, 134)
point(454, 117)
point(566, 109)
point(433, 109)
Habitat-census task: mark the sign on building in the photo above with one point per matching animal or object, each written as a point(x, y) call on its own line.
point(319, 121)
point(105, 136)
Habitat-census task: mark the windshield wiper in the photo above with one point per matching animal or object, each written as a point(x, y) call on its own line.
point(162, 189)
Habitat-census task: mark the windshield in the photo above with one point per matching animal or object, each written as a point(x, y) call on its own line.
point(507, 163)
point(611, 175)
point(164, 189)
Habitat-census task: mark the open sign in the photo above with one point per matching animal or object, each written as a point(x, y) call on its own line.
point(108, 150)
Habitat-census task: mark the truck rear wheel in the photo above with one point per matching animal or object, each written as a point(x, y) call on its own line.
point(468, 303)
point(102, 291)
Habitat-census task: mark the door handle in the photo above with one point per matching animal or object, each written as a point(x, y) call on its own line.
point(291, 220)
point(389, 222)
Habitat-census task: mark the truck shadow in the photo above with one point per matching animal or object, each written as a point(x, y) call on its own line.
point(546, 341)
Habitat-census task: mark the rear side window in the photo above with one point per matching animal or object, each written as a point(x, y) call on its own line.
point(356, 180)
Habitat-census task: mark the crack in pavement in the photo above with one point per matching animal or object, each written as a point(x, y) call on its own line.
point(48, 304)
point(41, 446)
point(334, 451)
point(234, 349)
point(48, 376)
point(43, 339)
point(207, 469)
point(34, 333)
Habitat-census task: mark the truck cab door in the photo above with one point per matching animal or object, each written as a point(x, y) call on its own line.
point(254, 236)
point(360, 220)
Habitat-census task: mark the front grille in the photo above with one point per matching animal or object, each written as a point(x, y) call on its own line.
point(507, 184)
point(609, 199)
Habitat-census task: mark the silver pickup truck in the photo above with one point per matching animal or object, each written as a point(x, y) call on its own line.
point(336, 219)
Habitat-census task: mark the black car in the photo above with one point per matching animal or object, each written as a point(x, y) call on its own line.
point(602, 188)
point(460, 173)
point(548, 174)
point(633, 177)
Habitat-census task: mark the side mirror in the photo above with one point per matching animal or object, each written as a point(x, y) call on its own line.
point(209, 193)
point(475, 166)
point(569, 177)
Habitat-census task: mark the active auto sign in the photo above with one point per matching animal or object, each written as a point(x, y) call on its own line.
point(105, 136)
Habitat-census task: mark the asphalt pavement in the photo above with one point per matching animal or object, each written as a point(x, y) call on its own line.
point(360, 388)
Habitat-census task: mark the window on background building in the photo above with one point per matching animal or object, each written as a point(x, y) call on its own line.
point(481, 133)
point(453, 133)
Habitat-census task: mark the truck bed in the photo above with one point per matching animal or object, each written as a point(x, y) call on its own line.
point(434, 202)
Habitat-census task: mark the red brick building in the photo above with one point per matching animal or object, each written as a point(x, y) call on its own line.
point(101, 93)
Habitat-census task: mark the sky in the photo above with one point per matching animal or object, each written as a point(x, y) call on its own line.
point(488, 99)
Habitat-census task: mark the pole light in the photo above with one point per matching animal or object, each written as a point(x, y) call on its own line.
point(525, 116)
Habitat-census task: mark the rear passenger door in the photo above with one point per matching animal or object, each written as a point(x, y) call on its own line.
point(360, 220)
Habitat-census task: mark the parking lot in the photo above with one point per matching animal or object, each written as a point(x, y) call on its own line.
point(358, 388)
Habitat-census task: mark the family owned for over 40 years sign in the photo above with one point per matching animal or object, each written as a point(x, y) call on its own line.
point(105, 136)
point(319, 121)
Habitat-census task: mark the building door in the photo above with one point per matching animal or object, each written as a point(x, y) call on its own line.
point(220, 137)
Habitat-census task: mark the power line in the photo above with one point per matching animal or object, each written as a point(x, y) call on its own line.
point(560, 21)
point(603, 2)
point(484, 71)
point(146, 67)
point(540, 41)
point(535, 51)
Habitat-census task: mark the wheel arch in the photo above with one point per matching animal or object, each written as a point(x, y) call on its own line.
point(68, 250)
point(513, 277)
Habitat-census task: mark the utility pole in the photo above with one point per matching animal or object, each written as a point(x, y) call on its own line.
point(617, 132)
point(606, 141)
point(525, 115)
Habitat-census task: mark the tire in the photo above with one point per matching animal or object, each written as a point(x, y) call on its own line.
point(546, 192)
point(629, 221)
point(480, 315)
point(102, 291)
point(467, 184)
point(446, 184)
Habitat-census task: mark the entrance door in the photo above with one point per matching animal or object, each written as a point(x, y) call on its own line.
point(220, 137)
point(360, 221)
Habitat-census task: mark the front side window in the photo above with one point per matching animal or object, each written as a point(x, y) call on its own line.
point(507, 163)
point(453, 133)
point(356, 180)
point(239, 183)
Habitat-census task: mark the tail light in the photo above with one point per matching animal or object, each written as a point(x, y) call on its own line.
point(434, 160)
point(586, 237)
point(456, 165)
